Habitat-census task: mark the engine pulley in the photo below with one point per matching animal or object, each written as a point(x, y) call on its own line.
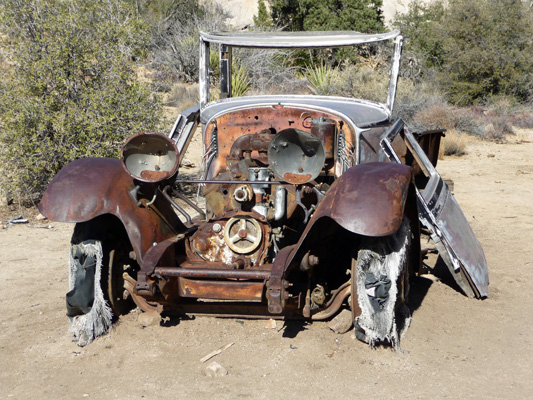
point(243, 234)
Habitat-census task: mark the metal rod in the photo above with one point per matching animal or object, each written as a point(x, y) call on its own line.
point(189, 202)
point(176, 205)
point(222, 182)
point(212, 273)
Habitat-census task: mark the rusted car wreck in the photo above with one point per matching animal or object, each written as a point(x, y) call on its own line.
point(312, 204)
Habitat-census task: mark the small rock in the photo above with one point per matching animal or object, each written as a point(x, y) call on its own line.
point(491, 155)
point(270, 324)
point(187, 163)
point(214, 370)
point(342, 322)
point(150, 318)
point(40, 217)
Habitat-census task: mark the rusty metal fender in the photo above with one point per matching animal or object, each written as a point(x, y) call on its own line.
point(368, 199)
point(91, 187)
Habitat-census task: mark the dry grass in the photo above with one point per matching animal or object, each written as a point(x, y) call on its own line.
point(183, 96)
point(454, 143)
point(436, 116)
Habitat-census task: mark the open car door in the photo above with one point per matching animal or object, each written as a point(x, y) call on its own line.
point(439, 212)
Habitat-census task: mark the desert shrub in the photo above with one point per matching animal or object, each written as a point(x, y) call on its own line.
point(240, 81)
point(412, 97)
point(441, 115)
point(68, 87)
point(281, 83)
point(469, 121)
point(424, 109)
point(498, 128)
point(268, 70)
point(362, 82)
point(481, 48)
point(176, 28)
point(319, 78)
point(183, 96)
point(454, 143)
point(522, 119)
point(436, 116)
point(488, 50)
point(421, 27)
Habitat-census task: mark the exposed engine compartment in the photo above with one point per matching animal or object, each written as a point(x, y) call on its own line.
point(249, 222)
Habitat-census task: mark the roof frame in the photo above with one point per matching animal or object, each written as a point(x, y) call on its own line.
point(290, 40)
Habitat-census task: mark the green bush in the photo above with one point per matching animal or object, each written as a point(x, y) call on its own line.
point(262, 20)
point(480, 48)
point(422, 27)
point(328, 15)
point(176, 30)
point(68, 88)
point(488, 50)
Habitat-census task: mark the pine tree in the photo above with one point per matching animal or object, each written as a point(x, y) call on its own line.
point(328, 15)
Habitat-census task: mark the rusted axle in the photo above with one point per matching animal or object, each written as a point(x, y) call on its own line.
point(204, 273)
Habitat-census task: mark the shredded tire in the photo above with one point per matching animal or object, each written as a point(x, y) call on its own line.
point(97, 321)
point(379, 265)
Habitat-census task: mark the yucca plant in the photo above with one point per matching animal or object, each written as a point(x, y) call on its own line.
point(319, 78)
point(240, 81)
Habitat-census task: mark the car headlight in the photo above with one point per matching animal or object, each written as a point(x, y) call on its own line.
point(150, 157)
point(296, 156)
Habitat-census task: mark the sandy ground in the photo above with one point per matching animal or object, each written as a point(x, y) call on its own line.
point(456, 347)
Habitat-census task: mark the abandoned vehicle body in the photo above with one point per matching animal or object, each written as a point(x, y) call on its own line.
point(309, 204)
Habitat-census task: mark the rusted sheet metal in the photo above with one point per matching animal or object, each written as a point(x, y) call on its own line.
point(277, 295)
point(252, 142)
point(90, 187)
point(154, 176)
point(368, 199)
point(297, 178)
point(220, 290)
point(325, 130)
point(429, 141)
point(369, 149)
point(157, 251)
point(237, 239)
point(256, 122)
